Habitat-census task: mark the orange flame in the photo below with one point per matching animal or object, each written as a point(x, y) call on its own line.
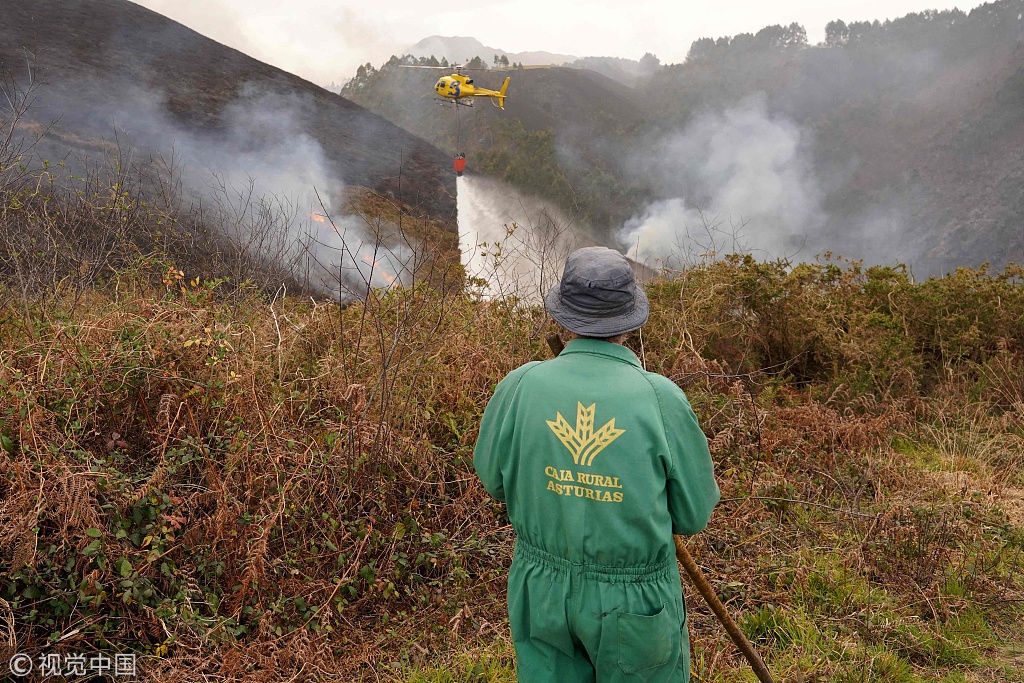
point(319, 218)
point(377, 268)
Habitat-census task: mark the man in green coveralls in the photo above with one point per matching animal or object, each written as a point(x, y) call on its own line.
point(599, 462)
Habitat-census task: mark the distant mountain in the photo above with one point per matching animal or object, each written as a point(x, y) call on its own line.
point(458, 49)
point(625, 71)
point(110, 67)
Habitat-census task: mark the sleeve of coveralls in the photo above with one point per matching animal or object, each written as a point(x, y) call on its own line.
point(494, 439)
point(692, 490)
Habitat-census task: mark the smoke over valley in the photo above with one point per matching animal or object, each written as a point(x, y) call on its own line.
point(739, 181)
point(259, 175)
point(862, 146)
point(890, 142)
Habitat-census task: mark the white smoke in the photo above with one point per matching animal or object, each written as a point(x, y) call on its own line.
point(259, 175)
point(741, 180)
point(267, 155)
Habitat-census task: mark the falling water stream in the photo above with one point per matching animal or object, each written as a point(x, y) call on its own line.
point(514, 245)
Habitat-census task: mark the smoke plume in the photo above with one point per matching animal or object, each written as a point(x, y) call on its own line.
point(740, 180)
point(258, 174)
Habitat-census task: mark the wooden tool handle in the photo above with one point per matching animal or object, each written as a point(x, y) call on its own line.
point(710, 597)
point(555, 343)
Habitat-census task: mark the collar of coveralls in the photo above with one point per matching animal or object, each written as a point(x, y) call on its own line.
point(599, 347)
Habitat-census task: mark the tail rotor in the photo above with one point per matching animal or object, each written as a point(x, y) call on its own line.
point(501, 94)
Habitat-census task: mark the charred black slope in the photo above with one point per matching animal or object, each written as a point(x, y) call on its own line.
point(109, 64)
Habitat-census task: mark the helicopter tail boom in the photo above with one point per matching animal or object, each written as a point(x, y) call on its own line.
point(501, 93)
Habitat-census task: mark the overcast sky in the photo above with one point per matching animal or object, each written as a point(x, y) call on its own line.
point(325, 40)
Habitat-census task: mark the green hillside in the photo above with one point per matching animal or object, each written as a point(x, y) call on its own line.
point(544, 141)
point(906, 137)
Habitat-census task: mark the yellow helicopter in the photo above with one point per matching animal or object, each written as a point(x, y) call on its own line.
point(460, 89)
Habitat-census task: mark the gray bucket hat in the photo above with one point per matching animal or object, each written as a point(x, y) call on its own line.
point(598, 295)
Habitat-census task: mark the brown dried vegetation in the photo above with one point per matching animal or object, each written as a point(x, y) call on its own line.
point(242, 486)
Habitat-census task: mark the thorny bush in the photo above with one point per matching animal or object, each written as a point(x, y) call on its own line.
point(234, 483)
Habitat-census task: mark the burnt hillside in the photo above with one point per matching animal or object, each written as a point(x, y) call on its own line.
point(107, 66)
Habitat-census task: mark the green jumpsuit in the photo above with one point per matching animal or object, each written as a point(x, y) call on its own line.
point(599, 462)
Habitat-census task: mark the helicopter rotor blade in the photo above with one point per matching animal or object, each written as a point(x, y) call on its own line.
point(458, 67)
point(526, 66)
point(451, 67)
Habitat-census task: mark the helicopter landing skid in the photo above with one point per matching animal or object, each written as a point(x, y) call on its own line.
point(465, 102)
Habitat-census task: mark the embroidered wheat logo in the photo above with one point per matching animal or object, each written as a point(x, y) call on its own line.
point(582, 441)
